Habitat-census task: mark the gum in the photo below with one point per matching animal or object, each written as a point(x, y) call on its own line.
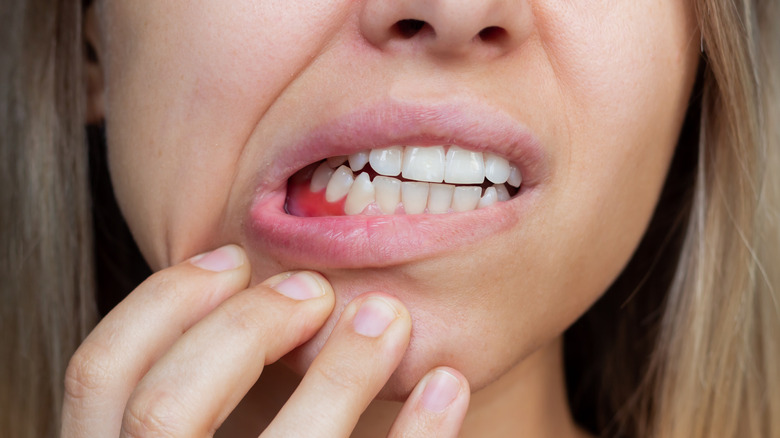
point(302, 202)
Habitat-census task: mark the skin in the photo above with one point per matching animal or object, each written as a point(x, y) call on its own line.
point(194, 93)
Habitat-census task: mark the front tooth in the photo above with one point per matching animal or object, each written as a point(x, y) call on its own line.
point(515, 177)
point(358, 160)
point(464, 167)
point(440, 198)
point(424, 163)
point(360, 195)
point(489, 198)
point(414, 196)
point(387, 161)
point(388, 193)
point(502, 192)
point(466, 198)
point(496, 168)
point(335, 162)
point(339, 184)
point(320, 178)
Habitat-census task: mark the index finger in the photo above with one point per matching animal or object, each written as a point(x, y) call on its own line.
point(107, 366)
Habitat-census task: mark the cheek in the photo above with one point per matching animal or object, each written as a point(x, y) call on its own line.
point(625, 75)
point(187, 85)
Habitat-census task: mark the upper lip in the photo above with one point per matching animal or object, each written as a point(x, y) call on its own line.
point(471, 126)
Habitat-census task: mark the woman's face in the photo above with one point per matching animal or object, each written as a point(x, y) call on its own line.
point(211, 107)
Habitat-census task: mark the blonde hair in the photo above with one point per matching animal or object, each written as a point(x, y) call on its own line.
point(708, 366)
point(46, 242)
point(718, 355)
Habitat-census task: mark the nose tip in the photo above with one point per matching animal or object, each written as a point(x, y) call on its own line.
point(447, 27)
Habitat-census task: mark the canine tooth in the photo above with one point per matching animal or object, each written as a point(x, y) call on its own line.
point(464, 167)
point(360, 195)
point(339, 184)
point(320, 178)
point(489, 198)
point(388, 193)
point(358, 160)
point(414, 196)
point(466, 198)
point(502, 192)
point(440, 198)
point(424, 163)
point(387, 161)
point(496, 168)
point(515, 177)
point(335, 162)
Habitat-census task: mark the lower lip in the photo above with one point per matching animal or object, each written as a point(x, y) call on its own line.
point(373, 241)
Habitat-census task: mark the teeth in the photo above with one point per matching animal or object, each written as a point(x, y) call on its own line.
point(496, 168)
point(515, 178)
point(414, 196)
point(427, 167)
point(358, 161)
point(339, 184)
point(489, 198)
point(466, 198)
point(335, 162)
point(320, 178)
point(424, 163)
point(360, 195)
point(388, 193)
point(387, 161)
point(464, 167)
point(503, 193)
point(440, 198)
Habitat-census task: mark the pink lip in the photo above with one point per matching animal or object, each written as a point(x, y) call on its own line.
point(377, 241)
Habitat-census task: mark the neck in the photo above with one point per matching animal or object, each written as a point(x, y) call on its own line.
point(529, 400)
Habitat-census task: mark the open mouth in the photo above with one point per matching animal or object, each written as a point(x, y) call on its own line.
point(401, 180)
point(396, 182)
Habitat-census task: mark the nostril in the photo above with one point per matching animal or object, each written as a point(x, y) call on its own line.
point(493, 34)
point(409, 28)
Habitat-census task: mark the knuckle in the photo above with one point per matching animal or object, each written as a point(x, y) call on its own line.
point(88, 372)
point(342, 376)
point(154, 415)
point(246, 312)
point(167, 285)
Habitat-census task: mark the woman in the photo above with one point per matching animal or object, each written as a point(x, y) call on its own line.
point(400, 207)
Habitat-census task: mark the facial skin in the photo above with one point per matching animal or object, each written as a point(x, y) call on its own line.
point(203, 97)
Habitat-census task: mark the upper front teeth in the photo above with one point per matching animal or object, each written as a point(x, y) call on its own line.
point(387, 161)
point(433, 164)
point(424, 164)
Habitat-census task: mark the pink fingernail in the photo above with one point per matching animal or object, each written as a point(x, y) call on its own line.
point(440, 391)
point(300, 286)
point(373, 317)
point(223, 259)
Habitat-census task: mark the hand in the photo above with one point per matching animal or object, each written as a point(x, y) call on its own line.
point(181, 351)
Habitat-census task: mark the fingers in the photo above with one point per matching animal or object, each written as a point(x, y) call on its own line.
point(202, 378)
point(435, 408)
point(106, 367)
point(362, 352)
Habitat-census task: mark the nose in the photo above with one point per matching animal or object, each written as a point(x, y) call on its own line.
point(447, 28)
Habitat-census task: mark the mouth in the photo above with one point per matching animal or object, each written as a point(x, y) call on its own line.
point(395, 183)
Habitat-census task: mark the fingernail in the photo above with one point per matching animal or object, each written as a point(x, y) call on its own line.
point(223, 259)
point(440, 391)
point(301, 286)
point(373, 317)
